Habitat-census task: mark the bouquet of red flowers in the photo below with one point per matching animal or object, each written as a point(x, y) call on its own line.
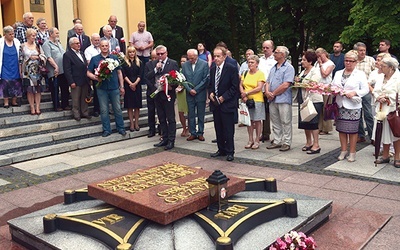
point(294, 241)
point(105, 69)
point(173, 78)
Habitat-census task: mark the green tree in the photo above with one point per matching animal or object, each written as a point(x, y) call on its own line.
point(371, 21)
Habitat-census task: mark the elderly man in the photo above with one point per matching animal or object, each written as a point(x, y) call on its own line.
point(196, 72)
point(75, 69)
point(83, 39)
point(54, 52)
point(267, 61)
point(244, 65)
point(165, 107)
point(107, 32)
point(91, 51)
point(224, 93)
point(117, 32)
point(108, 90)
point(367, 64)
point(280, 99)
point(20, 32)
point(71, 32)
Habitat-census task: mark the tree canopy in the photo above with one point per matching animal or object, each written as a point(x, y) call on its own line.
point(244, 24)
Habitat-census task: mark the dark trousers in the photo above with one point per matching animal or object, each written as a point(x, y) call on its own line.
point(96, 105)
point(62, 85)
point(266, 123)
point(151, 114)
point(224, 125)
point(144, 60)
point(166, 116)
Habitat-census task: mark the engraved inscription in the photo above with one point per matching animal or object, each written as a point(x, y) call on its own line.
point(108, 220)
point(145, 179)
point(184, 191)
point(230, 212)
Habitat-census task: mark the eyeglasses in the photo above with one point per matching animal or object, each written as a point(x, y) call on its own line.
point(161, 54)
point(349, 61)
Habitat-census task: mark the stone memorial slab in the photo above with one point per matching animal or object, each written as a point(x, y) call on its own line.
point(163, 193)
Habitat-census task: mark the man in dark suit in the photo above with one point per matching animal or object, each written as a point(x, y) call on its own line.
point(151, 105)
point(117, 32)
point(83, 39)
point(164, 106)
point(75, 69)
point(197, 73)
point(224, 93)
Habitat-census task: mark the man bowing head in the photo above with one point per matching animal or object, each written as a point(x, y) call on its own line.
point(224, 94)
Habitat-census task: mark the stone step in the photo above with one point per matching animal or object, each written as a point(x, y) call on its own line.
point(57, 142)
point(26, 137)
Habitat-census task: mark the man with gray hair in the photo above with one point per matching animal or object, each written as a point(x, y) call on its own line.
point(107, 32)
point(367, 65)
point(197, 73)
point(54, 52)
point(83, 39)
point(244, 66)
point(279, 94)
point(20, 32)
point(164, 101)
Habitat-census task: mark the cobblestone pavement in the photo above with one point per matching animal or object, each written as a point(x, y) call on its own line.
point(365, 197)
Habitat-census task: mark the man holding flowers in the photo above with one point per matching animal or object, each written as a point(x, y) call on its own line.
point(105, 71)
point(164, 100)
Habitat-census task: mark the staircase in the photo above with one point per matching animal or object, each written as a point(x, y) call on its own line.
point(25, 137)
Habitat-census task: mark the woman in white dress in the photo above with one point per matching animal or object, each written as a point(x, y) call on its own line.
point(326, 67)
point(385, 94)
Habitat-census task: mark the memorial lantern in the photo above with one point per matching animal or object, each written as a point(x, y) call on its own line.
point(217, 191)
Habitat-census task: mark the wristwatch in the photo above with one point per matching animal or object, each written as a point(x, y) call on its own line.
point(121, 87)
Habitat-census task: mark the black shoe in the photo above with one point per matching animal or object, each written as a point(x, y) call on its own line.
point(312, 152)
point(216, 154)
point(122, 132)
point(230, 158)
point(214, 141)
point(161, 144)
point(159, 129)
point(169, 146)
point(151, 134)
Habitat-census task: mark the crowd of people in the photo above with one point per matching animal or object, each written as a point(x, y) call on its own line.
point(33, 59)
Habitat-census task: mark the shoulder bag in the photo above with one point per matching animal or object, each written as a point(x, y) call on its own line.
point(331, 110)
point(394, 119)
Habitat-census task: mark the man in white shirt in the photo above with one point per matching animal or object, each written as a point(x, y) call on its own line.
point(91, 51)
point(266, 63)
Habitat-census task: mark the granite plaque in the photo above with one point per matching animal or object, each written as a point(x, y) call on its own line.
point(163, 193)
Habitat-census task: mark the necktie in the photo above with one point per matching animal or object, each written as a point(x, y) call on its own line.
point(80, 39)
point(217, 77)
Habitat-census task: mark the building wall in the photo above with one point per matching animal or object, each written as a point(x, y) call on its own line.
point(94, 14)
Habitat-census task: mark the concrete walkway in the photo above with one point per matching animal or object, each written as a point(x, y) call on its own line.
point(366, 199)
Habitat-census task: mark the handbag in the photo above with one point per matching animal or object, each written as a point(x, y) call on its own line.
point(307, 111)
point(244, 116)
point(393, 119)
point(250, 103)
point(331, 110)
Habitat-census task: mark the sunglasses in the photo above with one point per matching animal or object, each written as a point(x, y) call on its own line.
point(160, 54)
